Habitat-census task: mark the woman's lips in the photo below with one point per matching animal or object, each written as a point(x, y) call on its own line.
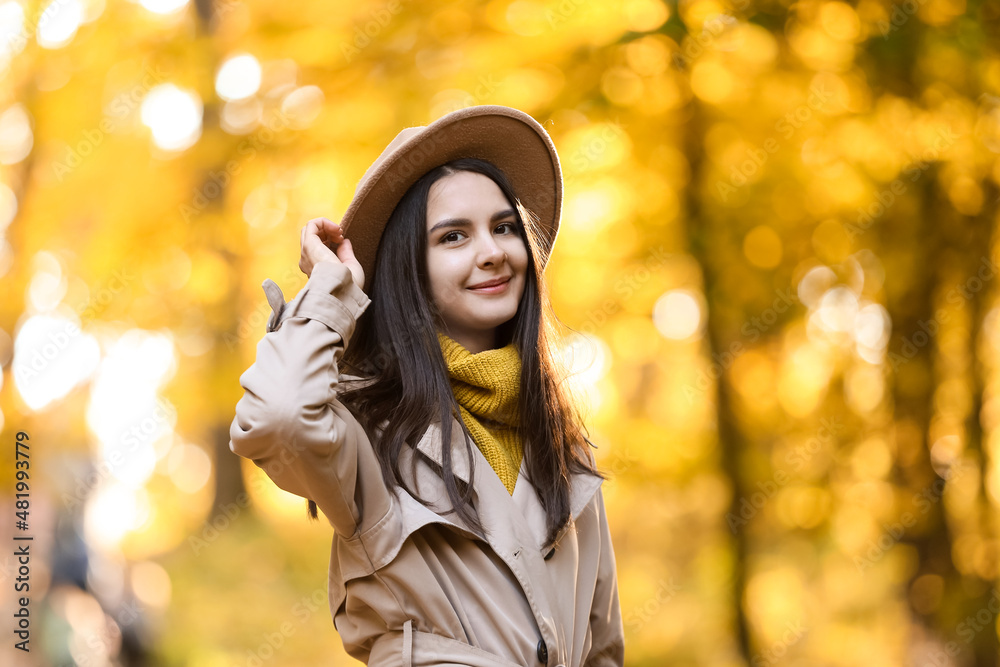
point(493, 289)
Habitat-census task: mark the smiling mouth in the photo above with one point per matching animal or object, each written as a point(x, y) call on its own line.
point(491, 286)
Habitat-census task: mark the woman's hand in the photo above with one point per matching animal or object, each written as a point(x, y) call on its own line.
point(317, 236)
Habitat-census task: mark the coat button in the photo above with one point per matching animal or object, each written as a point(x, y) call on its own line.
point(542, 651)
point(551, 553)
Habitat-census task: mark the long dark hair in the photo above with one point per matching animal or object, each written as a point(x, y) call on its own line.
point(396, 353)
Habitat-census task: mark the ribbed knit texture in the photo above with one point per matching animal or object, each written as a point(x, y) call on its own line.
point(486, 386)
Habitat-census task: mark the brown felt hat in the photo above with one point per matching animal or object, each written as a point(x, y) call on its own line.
point(508, 138)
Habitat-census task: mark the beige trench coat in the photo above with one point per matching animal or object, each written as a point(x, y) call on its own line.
point(407, 585)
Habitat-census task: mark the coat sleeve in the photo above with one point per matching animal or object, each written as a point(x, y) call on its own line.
point(289, 421)
point(607, 630)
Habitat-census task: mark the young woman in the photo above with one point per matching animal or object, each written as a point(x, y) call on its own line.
point(469, 522)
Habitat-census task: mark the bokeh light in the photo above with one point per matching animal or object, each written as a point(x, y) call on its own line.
point(173, 115)
point(774, 295)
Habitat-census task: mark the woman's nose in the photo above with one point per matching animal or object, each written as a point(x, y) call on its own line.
point(490, 251)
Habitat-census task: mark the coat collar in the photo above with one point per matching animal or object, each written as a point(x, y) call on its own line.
point(488, 487)
point(514, 525)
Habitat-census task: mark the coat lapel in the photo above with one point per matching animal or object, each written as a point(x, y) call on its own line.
point(581, 492)
point(430, 445)
point(515, 529)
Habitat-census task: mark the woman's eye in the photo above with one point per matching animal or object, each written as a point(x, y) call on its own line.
point(456, 235)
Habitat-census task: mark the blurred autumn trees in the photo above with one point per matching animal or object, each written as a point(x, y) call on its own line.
point(777, 267)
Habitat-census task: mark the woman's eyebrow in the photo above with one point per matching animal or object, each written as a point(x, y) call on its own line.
point(465, 222)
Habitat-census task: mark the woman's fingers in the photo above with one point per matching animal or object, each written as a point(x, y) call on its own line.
point(322, 240)
point(327, 232)
point(315, 227)
point(326, 229)
point(319, 252)
point(345, 253)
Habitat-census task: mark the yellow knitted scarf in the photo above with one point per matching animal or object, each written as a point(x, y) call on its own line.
point(486, 385)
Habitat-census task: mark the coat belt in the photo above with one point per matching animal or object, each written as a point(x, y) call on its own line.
point(408, 643)
point(412, 648)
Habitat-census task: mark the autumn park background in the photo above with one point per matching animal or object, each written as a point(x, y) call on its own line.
point(777, 271)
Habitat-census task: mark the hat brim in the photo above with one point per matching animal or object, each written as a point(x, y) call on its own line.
point(508, 138)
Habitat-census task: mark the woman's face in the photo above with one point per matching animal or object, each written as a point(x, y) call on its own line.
point(472, 238)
